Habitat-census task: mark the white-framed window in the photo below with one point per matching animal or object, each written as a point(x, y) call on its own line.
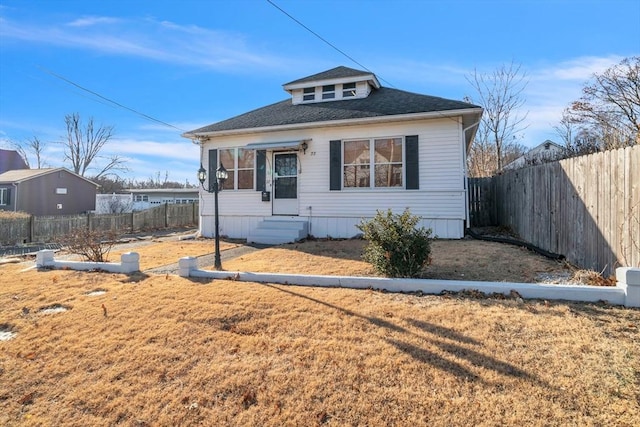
point(4, 196)
point(309, 94)
point(328, 92)
point(348, 90)
point(240, 165)
point(140, 198)
point(373, 163)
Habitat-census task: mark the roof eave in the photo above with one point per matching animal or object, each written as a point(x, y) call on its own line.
point(336, 123)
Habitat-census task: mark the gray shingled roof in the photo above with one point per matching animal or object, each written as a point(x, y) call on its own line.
point(335, 73)
point(20, 175)
point(381, 102)
point(11, 160)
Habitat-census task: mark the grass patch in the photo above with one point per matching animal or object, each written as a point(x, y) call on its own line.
point(13, 215)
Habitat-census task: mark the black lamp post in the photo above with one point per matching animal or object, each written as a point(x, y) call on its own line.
point(214, 187)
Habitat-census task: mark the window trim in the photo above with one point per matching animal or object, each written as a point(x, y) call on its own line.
point(4, 197)
point(351, 91)
point(309, 94)
point(236, 169)
point(372, 164)
point(328, 92)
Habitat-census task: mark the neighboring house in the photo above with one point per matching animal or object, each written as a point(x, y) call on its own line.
point(548, 151)
point(148, 198)
point(340, 148)
point(114, 203)
point(46, 192)
point(11, 160)
point(140, 199)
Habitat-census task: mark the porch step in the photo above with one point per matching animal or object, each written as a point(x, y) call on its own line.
point(276, 232)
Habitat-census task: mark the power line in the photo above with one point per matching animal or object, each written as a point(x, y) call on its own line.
point(109, 100)
point(324, 40)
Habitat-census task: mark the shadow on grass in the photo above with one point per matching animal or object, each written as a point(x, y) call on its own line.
point(434, 335)
point(344, 249)
point(135, 277)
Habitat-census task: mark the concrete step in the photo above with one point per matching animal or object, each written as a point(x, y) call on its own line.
point(283, 225)
point(271, 232)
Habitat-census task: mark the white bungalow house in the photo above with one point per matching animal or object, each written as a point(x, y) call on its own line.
point(338, 149)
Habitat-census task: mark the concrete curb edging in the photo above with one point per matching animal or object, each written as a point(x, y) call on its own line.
point(129, 263)
point(626, 292)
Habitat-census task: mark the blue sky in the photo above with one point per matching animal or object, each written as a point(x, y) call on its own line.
point(191, 63)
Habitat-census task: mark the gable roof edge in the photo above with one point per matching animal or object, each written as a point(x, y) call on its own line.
point(334, 123)
point(46, 172)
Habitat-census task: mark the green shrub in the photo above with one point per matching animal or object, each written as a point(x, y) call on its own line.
point(397, 247)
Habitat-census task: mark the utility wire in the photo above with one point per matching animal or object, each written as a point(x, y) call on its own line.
point(109, 100)
point(324, 40)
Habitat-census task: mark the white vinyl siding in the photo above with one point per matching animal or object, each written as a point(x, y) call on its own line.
point(440, 199)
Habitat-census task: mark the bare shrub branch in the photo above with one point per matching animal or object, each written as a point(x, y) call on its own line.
point(93, 245)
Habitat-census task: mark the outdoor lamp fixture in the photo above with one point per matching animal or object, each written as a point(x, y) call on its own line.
point(304, 147)
point(214, 187)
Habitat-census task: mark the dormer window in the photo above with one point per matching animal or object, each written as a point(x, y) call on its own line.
point(348, 90)
point(309, 94)
point(328, 92)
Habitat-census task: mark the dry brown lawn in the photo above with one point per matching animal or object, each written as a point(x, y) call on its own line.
point(163, 252)
point(163, 350)
point(451, 259)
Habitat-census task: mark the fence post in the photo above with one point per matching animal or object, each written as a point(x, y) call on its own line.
point(166, 215)
point(628, 278)
point(31, 228)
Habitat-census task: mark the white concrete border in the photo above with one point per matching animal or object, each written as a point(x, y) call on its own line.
point(626, 292)
point(129, 263)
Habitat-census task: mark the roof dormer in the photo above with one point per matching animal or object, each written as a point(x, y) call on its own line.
point(337, 84)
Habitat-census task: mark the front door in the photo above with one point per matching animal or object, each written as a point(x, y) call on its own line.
point(285, 184)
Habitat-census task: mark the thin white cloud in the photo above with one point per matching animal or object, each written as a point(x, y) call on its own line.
point(89, 21)
point(577, 69)
point(182, 149)
point(147, 38)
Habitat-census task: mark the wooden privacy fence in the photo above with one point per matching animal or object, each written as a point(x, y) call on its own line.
point(48, 228)
point(586, 208)
point(482, 202)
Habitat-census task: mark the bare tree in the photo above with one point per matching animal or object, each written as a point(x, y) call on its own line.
point(83, 145)
point(33, 146)
point(500, 95)
point(610, 105)
point(566, 129)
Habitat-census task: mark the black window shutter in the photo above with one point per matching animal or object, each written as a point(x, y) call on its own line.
point(335, 163)
point(213, 165)
point(261, 170)
point(412, 164)
point(8, 193)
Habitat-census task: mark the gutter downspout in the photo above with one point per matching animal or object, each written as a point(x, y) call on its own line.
point(464, 169)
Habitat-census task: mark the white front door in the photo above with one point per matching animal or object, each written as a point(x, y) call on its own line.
point(285, 184)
